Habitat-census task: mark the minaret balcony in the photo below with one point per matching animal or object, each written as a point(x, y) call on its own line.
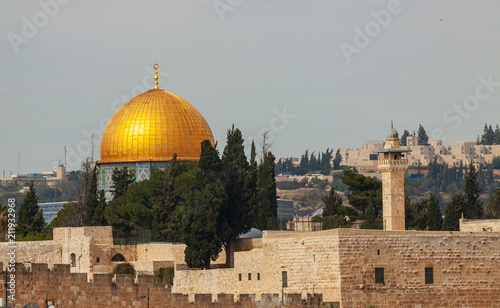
point(393, 163)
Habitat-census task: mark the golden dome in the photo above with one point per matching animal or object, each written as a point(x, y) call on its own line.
point(152, 127)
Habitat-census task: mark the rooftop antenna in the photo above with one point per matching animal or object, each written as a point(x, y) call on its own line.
point(18, 162)
point(65, 156)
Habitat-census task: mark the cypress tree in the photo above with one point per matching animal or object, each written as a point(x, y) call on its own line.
point(99, 219)
point(452, 213)
point(266, 188)
point(236, 213)
point(473, 207)
point(435, 220)
point(122, 178)
point(202, 225)
point(30, 216)
point(251, 195)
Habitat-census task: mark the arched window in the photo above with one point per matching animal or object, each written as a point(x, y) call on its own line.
point(73, 260)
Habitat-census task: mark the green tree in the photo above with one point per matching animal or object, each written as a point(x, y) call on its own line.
point(406, 133)
point(363, 190)
point(493, 207)
point(202, 228)
point(92, 201)
point(266, 192)
point(122, 179)
point(452, 213)
point(30, 216)
point(99, 219)
point(337, 160)
point(410, 215)
point(435, 220)
point(236, 213)
point(473, 207)
point(423, 139)
point(331, 202)
point(488, 137)
point(132, 211)
point(165, 203)
point(251, 195)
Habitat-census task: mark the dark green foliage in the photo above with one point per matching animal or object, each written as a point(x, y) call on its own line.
point(371, 221)
point(204, 228)
point(331, 203)
point(251, 195)
point(134, 210)
point(165, 202)
point(236, 214)
point(423, 139)
point(124, 269)
point(331, 222)
point(363, 191)
point(473, 207)
point(92, 201)
point(406, 133)
point(496, 162)
point(488, 137)
point(452, 213)
point(337, 160)
point(30, 216)
point(122, 179)
point(266, 193)
point(435, 219)
point(410, 215)
point(68, 216)
point(99, 219)
point(493, 208)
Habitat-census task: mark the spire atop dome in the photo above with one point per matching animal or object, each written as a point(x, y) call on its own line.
point(156, 66)
point(393, 133)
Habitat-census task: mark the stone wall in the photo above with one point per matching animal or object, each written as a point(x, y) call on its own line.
point(67, 289)
point(466, 270)
point(340, 264)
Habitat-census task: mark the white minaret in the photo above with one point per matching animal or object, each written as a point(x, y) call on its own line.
point(393, 166)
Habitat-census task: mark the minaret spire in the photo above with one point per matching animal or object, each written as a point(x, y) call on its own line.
point(156, 66)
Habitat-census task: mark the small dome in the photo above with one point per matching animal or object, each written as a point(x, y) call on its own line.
point(392, 133)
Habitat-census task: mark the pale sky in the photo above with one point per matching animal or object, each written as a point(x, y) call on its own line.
point(318, 74)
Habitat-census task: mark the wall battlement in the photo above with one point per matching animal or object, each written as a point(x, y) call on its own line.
point(36, 284)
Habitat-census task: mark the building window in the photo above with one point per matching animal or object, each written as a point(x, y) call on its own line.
point(429, 275)
point(284, 278)
point(249, 276)
point(258, 276)
point(378, 252)
point(73, 260)
point(97, 260)
point(239, 277)
point(379, 275)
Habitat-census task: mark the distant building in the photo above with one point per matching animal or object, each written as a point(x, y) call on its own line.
point(303, 224)
point(50, 209)
point(462, 152)
point(48, 177)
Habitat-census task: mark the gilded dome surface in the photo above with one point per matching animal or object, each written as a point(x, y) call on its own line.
point(152, 127)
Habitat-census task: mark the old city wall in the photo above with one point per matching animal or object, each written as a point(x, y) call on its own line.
point(466, 269)
point(310, 262)
point(49, 252)
point(66, 289)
